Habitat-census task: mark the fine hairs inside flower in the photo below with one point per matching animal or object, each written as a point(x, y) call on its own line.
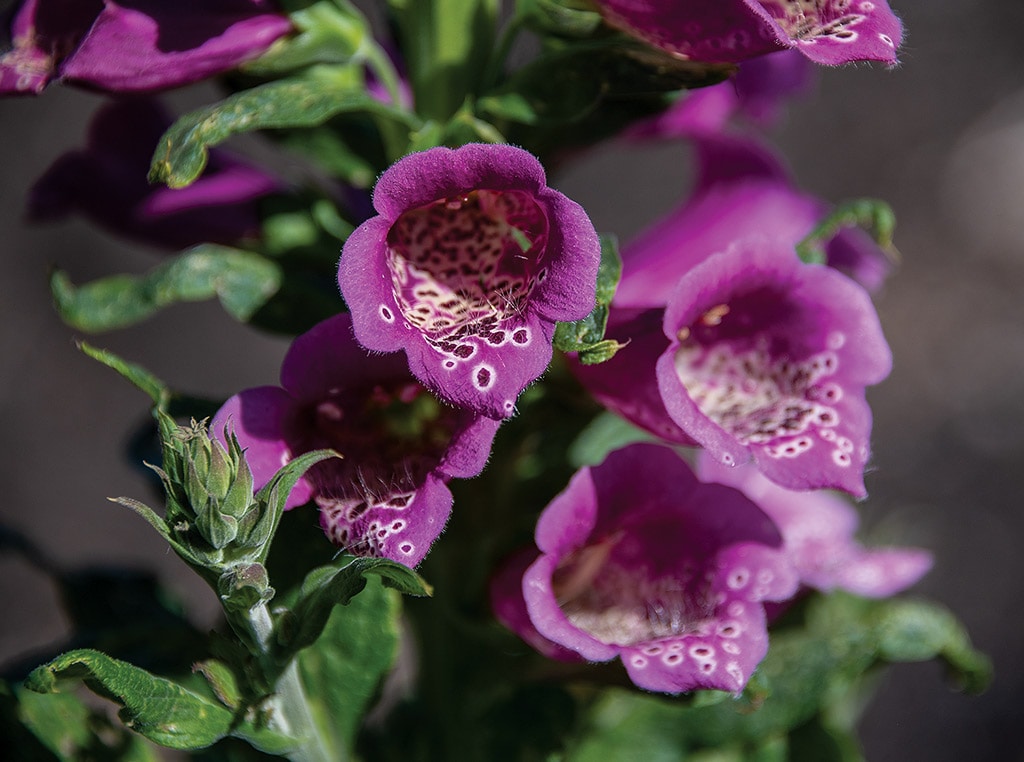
point(462, 265)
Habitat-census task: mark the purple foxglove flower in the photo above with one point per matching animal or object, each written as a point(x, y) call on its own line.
point(830, 32)
point(640, 560)
point(467, 266)
point(387, 496)
point(134, 45)
point(758, 92)
point(742, 189)
point(817, 532)
point(768, 358)
point(106, 182)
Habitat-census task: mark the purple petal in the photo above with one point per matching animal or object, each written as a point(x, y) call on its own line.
point(742, 190)
point(817, 529)
point(147, 45)
point(509, 606)
point(259, 419)
point(400, 525)
point(839, 31)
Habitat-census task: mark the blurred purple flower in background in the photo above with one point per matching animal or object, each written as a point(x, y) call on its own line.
point(640, 560)
point(106, 182)
point(828, 32)
point(387, 495)
point(134, 45)
point(817, 532)
point(469, 264)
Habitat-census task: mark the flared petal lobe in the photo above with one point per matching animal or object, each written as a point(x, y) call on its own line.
point(467, 267)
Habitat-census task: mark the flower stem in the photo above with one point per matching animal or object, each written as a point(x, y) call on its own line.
point(292, 714)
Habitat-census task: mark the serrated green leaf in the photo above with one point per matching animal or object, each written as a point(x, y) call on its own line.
point(304, 101)
point(155, 707)
point(342, 670)
point(336, 584)
point(241, 280)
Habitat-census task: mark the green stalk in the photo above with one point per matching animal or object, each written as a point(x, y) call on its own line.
point(291, 713)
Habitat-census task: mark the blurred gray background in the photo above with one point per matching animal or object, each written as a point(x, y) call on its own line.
point(941, 138)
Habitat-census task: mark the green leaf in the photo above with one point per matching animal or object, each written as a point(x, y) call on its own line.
point(242, 280)
point(342, 670)
point(301, 101)
point(567, 18)
point(336, 584)
point(65, 726)
point(275, 492)
point(327, 32)
point(136, 375)
point(872, 214)
point(570, 82)
point(159, 709)
point(605, 433)
point(586, 336)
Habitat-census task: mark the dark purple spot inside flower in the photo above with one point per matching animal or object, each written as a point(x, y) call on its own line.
point(496, 337)
point(483, 377)
point(463, 351)
point(521, 336)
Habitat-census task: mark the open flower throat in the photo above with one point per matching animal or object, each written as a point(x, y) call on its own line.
point(617, 600)
point(461, 266)
point(806, 19)
point(757, 387)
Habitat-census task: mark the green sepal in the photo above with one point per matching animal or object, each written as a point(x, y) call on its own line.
point(586, 336)
point(159, 709)
point(222, 681)
point(242, 280)
point(872, 214)
point(565, 18)
point(301, 101)
point(243, 586)
point(336, 584)
point(606, 432)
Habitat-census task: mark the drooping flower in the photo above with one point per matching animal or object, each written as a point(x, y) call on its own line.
point(817, 532)
point(134, 45)
point(742, 189)
point(640, 560)
point(467, 267)
point(387, 496)
point(830, 32)
point(757, 92)
point(768, 358)
point(106, 182)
